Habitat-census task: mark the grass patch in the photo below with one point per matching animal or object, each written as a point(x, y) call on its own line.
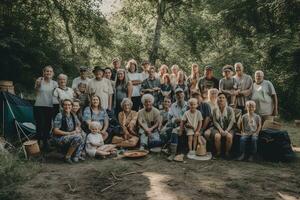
point(13, 171)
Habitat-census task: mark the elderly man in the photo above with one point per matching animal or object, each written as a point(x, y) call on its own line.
point(265, 97)
point(148, 120)
point(101, 87)
point(176, 113)
point(244, 86)
point(83, 78)
point(208, 81)
point(116, 65)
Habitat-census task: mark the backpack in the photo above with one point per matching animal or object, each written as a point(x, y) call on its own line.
point(275, 145)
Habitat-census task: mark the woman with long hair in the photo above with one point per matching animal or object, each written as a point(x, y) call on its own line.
point(181, 83)
point(193, 78)
point(123, 89)
point(43, 107)
point(164, 69)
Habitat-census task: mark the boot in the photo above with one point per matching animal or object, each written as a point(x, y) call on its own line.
point(241, 158)
point(173, 150)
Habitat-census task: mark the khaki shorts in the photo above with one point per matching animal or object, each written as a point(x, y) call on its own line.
point(214, 131)
point(189, 131)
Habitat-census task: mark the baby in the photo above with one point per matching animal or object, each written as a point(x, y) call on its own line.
point(191, 122)
point(251, 125)
point(95, 144)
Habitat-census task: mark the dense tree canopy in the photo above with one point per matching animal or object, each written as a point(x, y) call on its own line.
point(262, 34)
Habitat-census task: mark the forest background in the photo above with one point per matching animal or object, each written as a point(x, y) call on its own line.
point(262, 34)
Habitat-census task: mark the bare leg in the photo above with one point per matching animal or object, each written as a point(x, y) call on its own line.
point(190, 142)
point(218, 143)
point(228, 143)
point(195, 142)
point(207, 134)
point(102, 153)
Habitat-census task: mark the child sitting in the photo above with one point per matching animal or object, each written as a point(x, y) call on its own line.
point(95, 144)
point(251, 125)
point(82, 95)
point(191, 122)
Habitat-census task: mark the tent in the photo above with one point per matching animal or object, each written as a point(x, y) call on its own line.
point(17, 121)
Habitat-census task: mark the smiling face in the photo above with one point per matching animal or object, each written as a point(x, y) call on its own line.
point(259, 77)
point(127, 107)
point(75, 107)
point(167, 103)
point(180, 96)
point(148, 104)
point(195, 69)
point(152, 73)
point(121, 75)
point(193, 105)
point(132, 68)
point(95, 102)
point(238, 69)
point(67, 106)
point(48, 73)
point(251, 107)
point(98, 74)
point(117, 64)
point(83, 74)
point(209, 73)
point(227, 73)
point(222, 100)
point(107, 74)
point(62, 81)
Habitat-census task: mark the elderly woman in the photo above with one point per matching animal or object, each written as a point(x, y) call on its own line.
point(244, 86)
point(123, 89)
point(212, 98)
point(223, 120)
point(265, 97)
point(128, 122)
point(62, 92)
point(44, 87)
point(95, 112)
point(136, 80)
point(67, 132)
point(193, 78)
point(148, 120)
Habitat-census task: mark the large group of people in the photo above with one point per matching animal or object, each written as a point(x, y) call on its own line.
point(145, 108)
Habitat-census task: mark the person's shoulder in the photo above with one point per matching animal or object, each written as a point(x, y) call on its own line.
point(58, 116)
point(155, 110)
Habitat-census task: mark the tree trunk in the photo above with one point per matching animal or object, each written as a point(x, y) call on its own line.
point(161, 5)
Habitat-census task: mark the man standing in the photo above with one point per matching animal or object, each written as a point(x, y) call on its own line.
point(208, 81)
point(116, 65)
point(244, 86)
point(83, 78)
point(101, 87)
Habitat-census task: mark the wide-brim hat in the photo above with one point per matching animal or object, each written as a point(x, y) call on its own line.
point(98, 68)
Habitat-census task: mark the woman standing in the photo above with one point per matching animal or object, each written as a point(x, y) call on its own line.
point(95, 112)
point(166, 88)
point(123, 89)
point(193, 78)
point(136, 80)
point(43, 107)
point(162, 71)
point(174, 74)
point(181, 83)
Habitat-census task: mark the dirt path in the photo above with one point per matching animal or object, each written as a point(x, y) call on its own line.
point(160, 179)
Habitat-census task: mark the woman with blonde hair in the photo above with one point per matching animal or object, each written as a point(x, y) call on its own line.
point(43, 106)
point(181, 83)
point(174, 74)
point(212, 98)
point(193, 78)
point(164, 69)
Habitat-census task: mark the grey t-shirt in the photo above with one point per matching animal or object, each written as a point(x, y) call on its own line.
point(250, 125)
point(244, 83)
point(44, 94)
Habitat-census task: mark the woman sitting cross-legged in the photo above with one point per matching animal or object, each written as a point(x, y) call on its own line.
point(95, 112)
point(67, 132)
point(128, 122)
point(223, 120)
point(251, 125)
point(95, 144)
point(149, 119)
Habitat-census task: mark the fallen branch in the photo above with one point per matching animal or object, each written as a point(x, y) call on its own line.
point(104, 189)
point(70, 187)
point(115, 177)
point(129, 173)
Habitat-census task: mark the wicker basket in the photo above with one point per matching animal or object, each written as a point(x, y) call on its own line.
point(7, 86)
point(32, 148)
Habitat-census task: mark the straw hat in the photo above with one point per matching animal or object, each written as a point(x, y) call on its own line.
point(269, 124)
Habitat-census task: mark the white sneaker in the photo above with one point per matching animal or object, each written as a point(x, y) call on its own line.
point(191, 154)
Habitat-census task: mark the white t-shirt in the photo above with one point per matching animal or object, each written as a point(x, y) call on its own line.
point(136, 88)
point(262, 95)
point(102, 88)
point(44, 94)
point(93, 138)
point(78, 80)
point(62, 94)
point(192, 118)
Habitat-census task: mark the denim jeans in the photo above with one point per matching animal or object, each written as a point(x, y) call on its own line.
point(244, 139)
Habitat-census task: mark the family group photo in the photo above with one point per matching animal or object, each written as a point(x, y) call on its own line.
point(161, 99)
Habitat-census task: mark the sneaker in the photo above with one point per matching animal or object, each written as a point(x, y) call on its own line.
point(191, 154)
point(81, 158)
point(241, 158)
point(75, 159)
point(68, 160)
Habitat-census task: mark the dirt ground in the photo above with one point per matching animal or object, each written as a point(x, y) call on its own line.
point(155, 178)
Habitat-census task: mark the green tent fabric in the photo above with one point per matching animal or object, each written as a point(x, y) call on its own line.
point(17, 120)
